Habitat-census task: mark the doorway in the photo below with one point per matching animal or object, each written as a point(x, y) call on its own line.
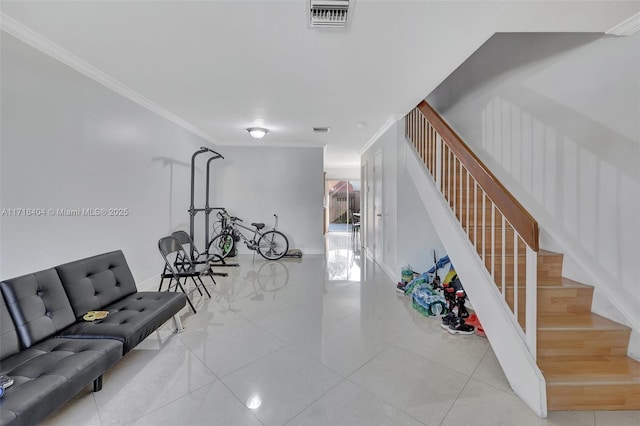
point(344, 204)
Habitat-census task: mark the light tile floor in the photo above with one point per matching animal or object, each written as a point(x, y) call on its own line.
point(324, 340)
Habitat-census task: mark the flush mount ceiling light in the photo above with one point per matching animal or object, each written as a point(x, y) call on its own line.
point(257, 132)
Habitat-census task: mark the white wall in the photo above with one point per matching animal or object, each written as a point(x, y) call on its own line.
point(343, 173)
point(68, 142)
point(257, 182)
point(417, 237)
point(409, 236)
point(555, 117)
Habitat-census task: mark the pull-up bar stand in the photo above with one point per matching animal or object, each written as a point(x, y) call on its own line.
point(192, 208)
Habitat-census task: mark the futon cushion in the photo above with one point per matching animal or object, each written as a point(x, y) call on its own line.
point(131, 319)
point(7, 417)
point(38, 304)
point(95, 282)
point(9, 343)
point(50, 373)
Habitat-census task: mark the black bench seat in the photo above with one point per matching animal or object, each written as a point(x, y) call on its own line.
point(131, 319)
point(46, 347)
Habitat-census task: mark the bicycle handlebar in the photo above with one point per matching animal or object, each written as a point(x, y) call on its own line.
point(223, 213)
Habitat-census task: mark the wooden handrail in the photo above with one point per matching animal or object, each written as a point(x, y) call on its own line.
point(520, 219)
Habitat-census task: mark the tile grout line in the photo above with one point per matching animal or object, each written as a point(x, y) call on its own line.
point(188, 349)
point(95, 403)
point(346, 379)
point(219, 379)
point(316, 400)
point(462, 389)
point(371, 393)
point(485, 383)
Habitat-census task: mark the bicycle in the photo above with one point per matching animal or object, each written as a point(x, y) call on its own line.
point(272, 244)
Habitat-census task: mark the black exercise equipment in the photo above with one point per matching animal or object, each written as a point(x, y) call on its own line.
point(193, 211)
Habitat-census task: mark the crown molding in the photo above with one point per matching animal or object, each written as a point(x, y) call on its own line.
point(626, 27)
point(37, 41)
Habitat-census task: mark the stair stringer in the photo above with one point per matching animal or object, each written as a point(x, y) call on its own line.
point(504, 333)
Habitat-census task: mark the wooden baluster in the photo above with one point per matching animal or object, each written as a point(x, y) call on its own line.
point(531, 317)
point(484, 229)
point(454, 184)
point(422, 130)
point(503, 255)
point(475, 215)
point(516, 305)
point(467, 204)
point(493, 241)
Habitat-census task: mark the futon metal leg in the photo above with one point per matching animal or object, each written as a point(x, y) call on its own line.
point(97, 384)
point(177, 324)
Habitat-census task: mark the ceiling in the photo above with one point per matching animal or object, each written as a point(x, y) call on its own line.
point(218, 67)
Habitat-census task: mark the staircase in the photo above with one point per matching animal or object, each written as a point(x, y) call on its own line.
point(581, 355)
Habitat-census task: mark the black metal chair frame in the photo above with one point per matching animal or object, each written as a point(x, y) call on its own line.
point(198, 258)
point(181, 267)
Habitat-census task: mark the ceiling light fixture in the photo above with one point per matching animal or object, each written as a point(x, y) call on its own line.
point(257, 132)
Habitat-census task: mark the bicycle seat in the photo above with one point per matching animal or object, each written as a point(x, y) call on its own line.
point(258, 225)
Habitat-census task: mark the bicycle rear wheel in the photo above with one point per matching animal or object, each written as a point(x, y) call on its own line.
point(273, 245)
point(222, 245)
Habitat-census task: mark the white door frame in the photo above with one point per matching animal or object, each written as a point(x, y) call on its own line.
point(378, 209)
point(364, 200)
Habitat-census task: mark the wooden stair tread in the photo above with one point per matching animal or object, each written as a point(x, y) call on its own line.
point(521, 253)
point(543, 252)
point(577, 321)
point(592, 370)
point(565, 283)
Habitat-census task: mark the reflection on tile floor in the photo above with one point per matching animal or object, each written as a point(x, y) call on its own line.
point(324, 340)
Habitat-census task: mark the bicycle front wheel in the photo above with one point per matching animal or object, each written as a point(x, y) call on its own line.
point(222, 245)
point(273, 245)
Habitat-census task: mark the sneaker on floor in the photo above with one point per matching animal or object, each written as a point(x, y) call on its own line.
point(447, 320)
point(459, 327)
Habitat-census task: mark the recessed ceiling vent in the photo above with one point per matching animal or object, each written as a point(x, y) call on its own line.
point(321, 130)
point(330, 13)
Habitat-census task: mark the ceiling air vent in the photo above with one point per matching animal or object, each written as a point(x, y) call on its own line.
point(321, 130)
point(330, 13)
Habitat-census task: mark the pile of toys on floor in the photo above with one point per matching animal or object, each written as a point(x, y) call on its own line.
point(440, 298)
